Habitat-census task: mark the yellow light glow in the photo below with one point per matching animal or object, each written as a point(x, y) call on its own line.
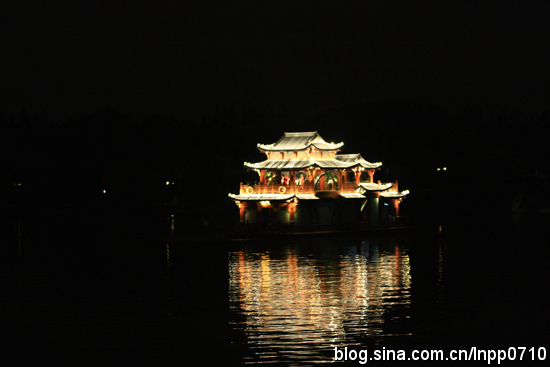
point(265, 203)
point(167, 183)
point(444, 168)
point(439, 169)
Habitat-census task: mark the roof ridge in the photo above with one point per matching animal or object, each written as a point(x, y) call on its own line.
point(302, 132)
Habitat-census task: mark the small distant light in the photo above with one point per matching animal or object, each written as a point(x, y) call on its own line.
point(444, 168)
point(167, 183)
point(104, 191)
point(439, 169)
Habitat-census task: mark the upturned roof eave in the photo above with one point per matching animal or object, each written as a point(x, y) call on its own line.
point(380, 187)
point(316, 164)
point(395, 194)
point(299, 141)
point(272, 197)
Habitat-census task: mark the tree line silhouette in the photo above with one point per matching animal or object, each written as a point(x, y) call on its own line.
point(105, 161)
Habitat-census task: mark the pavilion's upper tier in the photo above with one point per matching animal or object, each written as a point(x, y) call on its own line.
point(308, 149)
point(300, 141)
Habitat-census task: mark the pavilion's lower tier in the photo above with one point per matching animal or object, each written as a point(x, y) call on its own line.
point(256, 188)
point(340, 212)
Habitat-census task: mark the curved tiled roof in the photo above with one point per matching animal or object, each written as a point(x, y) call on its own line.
point(356, 159)
point(394, 194)
point(300, 141)
point(282, 164)
point(267, 197)
point(374, 186)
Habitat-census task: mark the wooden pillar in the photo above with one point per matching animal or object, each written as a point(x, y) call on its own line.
point(242, 207)
point(259, 217)
point(396, 205)
point(291, 211)
point(371, 175)
point(357, 177)
point(292, 182)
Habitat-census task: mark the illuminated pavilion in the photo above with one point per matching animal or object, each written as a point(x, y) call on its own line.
point(304, 182)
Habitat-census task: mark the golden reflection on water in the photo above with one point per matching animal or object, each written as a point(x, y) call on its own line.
point(297, 302)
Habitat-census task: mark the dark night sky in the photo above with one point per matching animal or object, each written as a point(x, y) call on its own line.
point(183, 58)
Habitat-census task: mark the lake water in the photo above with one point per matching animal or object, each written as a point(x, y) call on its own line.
point(90, 300)
point(295, 302)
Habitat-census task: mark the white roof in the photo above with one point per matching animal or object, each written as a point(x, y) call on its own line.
point(375, 186)
point(356, 159)
point(300, 141)
point(261, 197)
point(268, 197)
point(348, 158)
point(353, 195)
point(307, 197)
point(394, 194)
point(274, 197)
point(282, 164)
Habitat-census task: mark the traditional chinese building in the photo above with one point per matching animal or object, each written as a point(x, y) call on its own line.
point(305, 182)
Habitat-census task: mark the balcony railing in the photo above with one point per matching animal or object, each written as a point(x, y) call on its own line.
point(256, 188)
point(348, 188)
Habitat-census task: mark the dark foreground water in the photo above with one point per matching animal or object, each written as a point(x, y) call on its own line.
point(83, 299)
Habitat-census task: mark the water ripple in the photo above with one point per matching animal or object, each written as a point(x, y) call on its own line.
point(300, 304)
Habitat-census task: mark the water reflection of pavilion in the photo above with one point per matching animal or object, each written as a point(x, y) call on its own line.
point(296, 304)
